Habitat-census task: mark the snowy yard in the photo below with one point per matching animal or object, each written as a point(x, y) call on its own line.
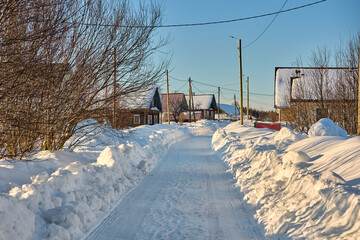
point(166, 182)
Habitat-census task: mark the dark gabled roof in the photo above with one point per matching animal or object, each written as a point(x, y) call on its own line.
point(173, 98)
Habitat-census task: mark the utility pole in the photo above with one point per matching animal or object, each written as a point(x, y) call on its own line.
point(358, 125)
point(247, 93)
point(192, 103)
point(167, 93)
point(235, 106)
point(114, 91)
point(241, 90)
point(190, 96)
point(218, 103)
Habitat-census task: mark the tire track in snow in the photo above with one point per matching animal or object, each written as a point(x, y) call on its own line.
point(212, 215)
point(125, 219)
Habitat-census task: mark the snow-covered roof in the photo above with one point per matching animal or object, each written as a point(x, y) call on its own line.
point(202, 101)
point(230, 109)
point(303, 84)
point(139, 100)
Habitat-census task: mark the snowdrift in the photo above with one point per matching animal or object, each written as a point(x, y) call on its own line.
point(62, 195)
point(299, 186)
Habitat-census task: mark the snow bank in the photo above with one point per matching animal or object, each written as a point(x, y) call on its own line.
point(298, 186)
point(326, 127)
point(63, 194)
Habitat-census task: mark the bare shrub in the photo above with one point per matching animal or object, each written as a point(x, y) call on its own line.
point(59, 58)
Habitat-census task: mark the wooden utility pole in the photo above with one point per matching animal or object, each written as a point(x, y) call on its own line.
point(190, 97)
point(241, 90)
point(235, 106)
point(114, 91)
point(218, 103)
point(358, 124)
point(167, 93)
point(247, 93)
point(192, 104)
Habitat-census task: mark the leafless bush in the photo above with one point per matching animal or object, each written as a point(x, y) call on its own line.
point(60, 60)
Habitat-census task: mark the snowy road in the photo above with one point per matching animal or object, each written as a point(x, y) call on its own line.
point(188, 195)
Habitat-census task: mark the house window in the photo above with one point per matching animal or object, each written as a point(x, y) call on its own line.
point(150, 122)
point(136, 119)
point(156, 119)
point(321, 113)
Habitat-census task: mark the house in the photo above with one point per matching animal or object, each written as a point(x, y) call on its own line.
point(139, 108)
point(304, 95)
point(229, 112)
point(177, 106)
point(203, 107)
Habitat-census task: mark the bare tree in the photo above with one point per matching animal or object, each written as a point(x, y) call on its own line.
point(59, 57)
point(346, 91)
point(325, 92)
point(27, 31)
point(177, 107)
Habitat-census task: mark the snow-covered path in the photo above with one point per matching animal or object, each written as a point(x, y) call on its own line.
point(188, 195)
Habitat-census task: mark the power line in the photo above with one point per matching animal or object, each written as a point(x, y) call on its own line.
point(262, 94)
point(267, 25)
point(227, 99)
point(233, 90)
point(198, 89)
point(206, 84)
point(180, 80)
point(205, 23)
point(268, 104)
point(181, 87)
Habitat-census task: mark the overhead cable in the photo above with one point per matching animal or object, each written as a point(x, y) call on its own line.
point(204, 23)
point(267, 25)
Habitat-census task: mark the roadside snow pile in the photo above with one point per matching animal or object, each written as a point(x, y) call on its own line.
point(63, 194)
point(326, 127)
point(300, 187)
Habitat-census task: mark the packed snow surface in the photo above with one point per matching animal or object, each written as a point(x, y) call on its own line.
point(302, 187)
point(188, 195)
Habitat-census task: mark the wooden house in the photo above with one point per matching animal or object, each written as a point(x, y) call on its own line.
point(139, 108)
point(305, 95)
point(203, 107)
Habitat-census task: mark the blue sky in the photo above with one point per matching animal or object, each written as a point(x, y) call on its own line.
point(207, 54)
